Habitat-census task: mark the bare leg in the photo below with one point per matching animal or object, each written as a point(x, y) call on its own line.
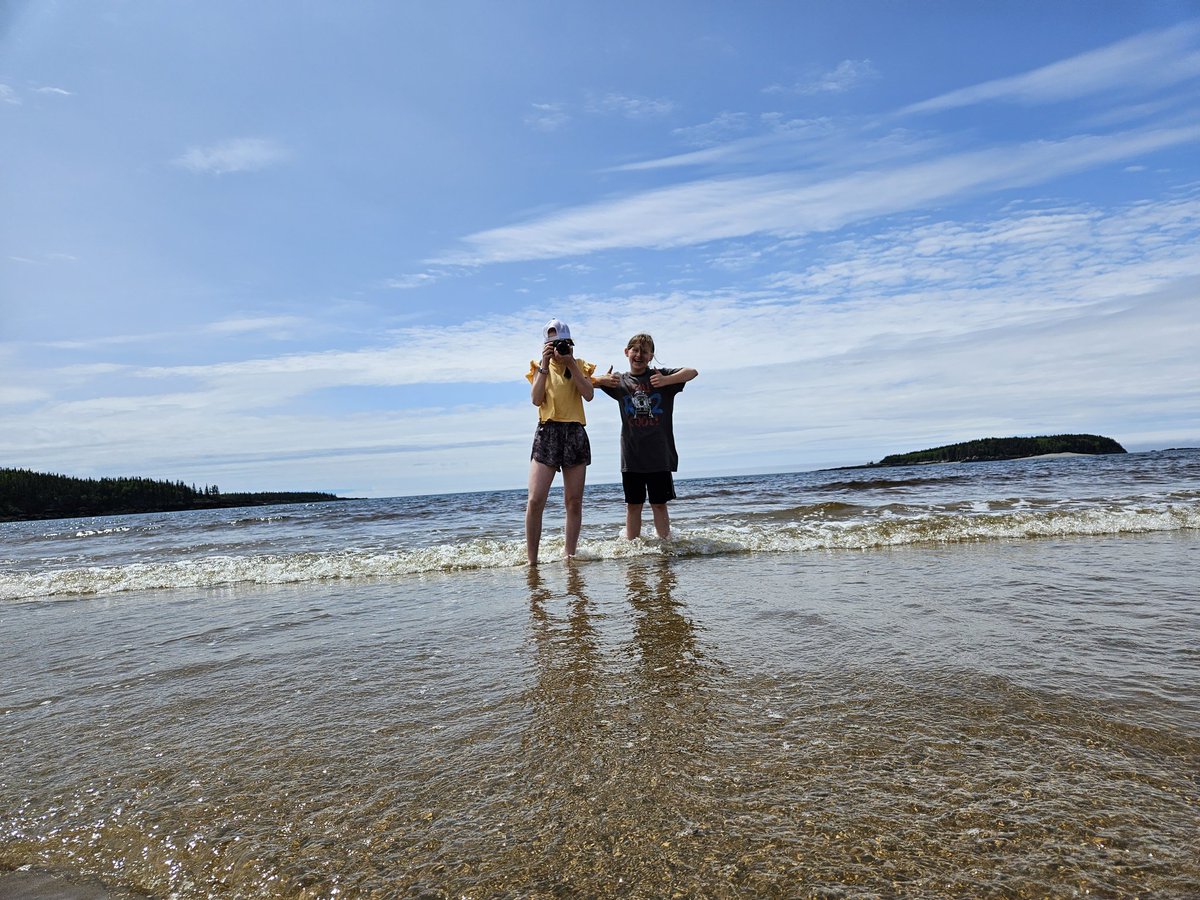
point(540, 478)
point(573, 478)
point(662, 520)
point(633, 520)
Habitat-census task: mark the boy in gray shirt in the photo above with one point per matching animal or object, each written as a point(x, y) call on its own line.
point(648, 455)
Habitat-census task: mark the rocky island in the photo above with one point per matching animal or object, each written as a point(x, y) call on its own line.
point(35, 495)
point(986, 449)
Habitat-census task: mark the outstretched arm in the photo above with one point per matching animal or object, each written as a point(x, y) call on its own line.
point(608, 380)
point(683, 375)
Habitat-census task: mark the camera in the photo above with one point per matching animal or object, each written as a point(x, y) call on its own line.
point(563, 347)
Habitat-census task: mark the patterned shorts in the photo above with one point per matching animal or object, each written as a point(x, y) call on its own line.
point(561, 445)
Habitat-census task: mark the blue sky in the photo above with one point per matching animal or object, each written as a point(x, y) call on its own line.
point(277, 246)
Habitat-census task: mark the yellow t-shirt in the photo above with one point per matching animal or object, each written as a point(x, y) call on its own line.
point(562, 403)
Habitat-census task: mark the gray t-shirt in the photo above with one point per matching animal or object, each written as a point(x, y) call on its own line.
point(647, 440)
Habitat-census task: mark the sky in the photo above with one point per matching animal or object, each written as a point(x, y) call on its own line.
point(312, 246)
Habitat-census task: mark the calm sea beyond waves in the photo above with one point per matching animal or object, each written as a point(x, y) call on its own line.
point(958, 680)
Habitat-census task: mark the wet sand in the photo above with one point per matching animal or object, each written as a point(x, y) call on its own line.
point(30, 885)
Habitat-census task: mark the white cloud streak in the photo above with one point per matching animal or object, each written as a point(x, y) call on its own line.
point(1153, 60)
point(633, 107)
point(236, 155)
point(791, 204)
point(845, 76)
point(547, 116)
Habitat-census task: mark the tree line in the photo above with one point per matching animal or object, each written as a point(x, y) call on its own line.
point(36, 495)
point(1006, 448)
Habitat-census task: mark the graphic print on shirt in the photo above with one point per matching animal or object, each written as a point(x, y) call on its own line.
point(643, 409)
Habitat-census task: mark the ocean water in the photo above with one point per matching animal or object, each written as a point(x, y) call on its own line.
point(954, 680)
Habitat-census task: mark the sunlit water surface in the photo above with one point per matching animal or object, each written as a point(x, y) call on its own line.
point(1004, 718)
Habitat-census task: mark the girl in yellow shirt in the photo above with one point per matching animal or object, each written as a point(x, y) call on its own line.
point(559, 385)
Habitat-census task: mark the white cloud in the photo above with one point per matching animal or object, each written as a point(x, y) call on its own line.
point(547, 116)
point(1046, 318)
point(236, 155)
point(1155, 59)
point(793, 204)
point(408, 282)
point(633, 107)
point(847, 75)
point(705, 157)
point(814, 140)
point(717, 130)
point(271, 326)
point(57, 91)
point(8, 95)
point(14, 396)
point(45, 260)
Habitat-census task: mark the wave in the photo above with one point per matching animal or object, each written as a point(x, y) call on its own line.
point(875, 484)
point(765, 536)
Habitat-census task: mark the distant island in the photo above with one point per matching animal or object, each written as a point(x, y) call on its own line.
point(986, 449)
point(34, 495)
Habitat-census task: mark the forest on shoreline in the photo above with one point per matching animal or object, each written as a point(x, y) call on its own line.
point(36, 495)
point(987, 449)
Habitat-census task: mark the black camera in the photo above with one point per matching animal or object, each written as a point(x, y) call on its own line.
point(563, 347)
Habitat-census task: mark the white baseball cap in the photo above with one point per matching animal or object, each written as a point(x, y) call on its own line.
point(561, 331)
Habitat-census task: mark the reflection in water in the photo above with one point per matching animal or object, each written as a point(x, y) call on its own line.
point(665, 637)
point(615, 744)
point(566, 699)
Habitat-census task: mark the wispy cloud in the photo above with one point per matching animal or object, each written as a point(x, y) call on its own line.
point(547, 116)
point(708, 156)
point(845, 76)
point(279, 327)
point(15, 396)
point(1152, 60)
point(796, 203)
point(942, 278)
point(9, 95)
point(409, 282)
point(275, 327)
point(45, 260)
point(632, 107)
point(717, 130)
point(55, 91)
point(236, 155)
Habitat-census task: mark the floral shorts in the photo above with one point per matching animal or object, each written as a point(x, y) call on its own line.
point(561, 445)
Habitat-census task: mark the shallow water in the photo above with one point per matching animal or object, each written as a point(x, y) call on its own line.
point(851, 509)
point(1013, 717)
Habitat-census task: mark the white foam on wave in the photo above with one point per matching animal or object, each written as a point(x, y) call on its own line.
point(708, 540)
point(95, 532)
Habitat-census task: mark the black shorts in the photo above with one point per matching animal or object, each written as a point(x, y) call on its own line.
point(659, 485)
point(561, 445)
